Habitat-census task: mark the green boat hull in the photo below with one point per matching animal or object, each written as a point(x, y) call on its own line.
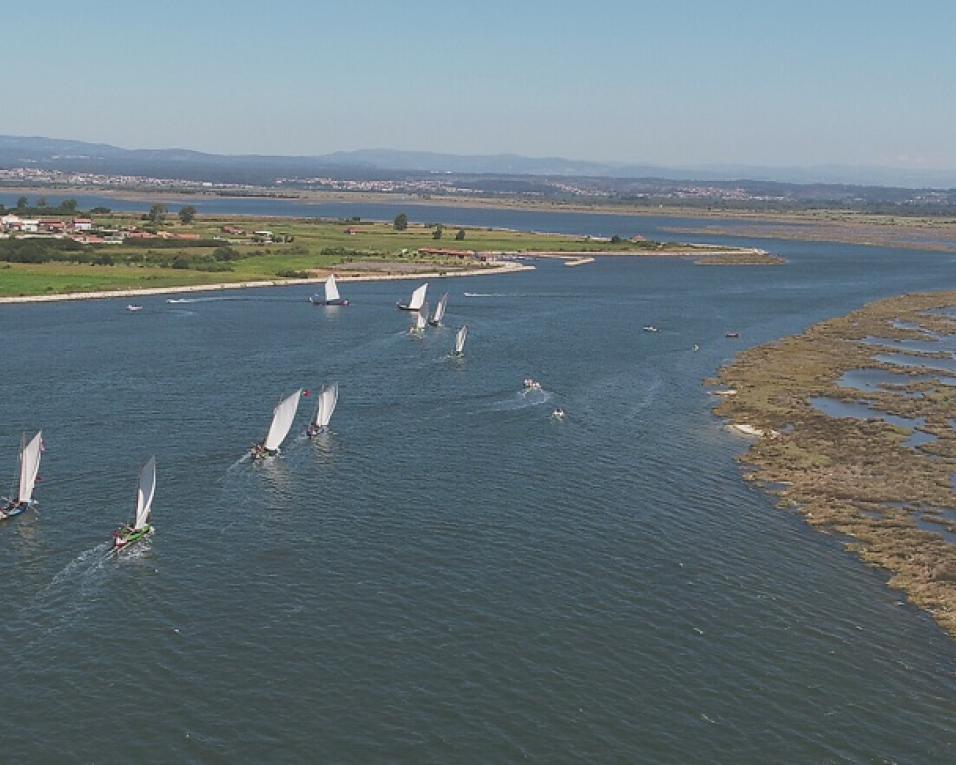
point(123, 540)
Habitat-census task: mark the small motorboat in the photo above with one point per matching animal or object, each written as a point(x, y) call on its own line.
point(650, 328)
point(531, 384)
point(732, 335)
point(559, 414)
point(134, 308)
point(696, 347)
point(141, 528)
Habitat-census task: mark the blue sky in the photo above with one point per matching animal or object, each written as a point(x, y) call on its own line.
point(678, 83)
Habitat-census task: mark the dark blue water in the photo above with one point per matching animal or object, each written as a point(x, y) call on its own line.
point(450, 575)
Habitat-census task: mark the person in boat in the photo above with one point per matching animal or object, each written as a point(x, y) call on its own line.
point(259, 451)
point(12, 508)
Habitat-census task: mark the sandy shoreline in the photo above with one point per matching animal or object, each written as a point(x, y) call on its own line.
point(506, 267)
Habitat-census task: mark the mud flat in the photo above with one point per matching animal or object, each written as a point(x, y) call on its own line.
point(862, 476)
point(701, 254)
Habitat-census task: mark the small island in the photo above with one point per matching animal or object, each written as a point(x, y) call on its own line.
point(51, 253)
point(853, 421)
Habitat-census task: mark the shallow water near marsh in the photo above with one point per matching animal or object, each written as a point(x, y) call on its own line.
point(449, 575)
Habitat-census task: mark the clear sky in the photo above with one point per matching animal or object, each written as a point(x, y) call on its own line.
point(771, 82)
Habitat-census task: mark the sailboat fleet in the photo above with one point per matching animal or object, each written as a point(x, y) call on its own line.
point(140, 527)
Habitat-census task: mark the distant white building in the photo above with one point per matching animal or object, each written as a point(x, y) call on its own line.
point(9, 221)
point(82, 224)
point(30, 225)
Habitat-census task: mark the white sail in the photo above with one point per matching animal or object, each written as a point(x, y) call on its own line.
point(145, 492)
point(460, 339)
point(420, 322)
point(328, 398)
point(418, 298)
point(331, 291)
point(282, 419)
point(440, 309)
point(30, 466)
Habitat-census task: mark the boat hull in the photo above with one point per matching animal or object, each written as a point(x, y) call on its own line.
point(124, 541)
point(319, 300)
point(262, 454)
point(11, 510)
point(405, 307)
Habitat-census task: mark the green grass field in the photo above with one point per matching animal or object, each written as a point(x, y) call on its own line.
point(144, 265)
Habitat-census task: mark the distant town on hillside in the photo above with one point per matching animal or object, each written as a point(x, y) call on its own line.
point(54, 163)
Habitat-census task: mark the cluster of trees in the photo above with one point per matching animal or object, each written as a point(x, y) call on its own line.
point(41, 207)
point(439, 232)
point(158, 212)
point(170, 244)
point(41, 250)
point(401, 224)
point(67, 251)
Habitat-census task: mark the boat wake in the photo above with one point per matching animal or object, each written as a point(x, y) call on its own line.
point(87, 561)
point(73, 590)
point(523, 399)
point(222, 298)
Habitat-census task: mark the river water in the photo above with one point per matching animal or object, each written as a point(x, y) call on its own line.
point(449, 575)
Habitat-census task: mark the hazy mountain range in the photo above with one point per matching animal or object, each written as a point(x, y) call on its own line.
point(80, 156)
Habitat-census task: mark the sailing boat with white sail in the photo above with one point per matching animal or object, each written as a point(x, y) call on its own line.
point(328, 398)
point(282, 417)
point(29, 470)
point(417, 300)
point(418, 328)
point(439, 314)
point(141, 527)
point(460, 338)
point(331, 296)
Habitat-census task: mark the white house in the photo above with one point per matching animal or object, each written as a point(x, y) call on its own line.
point(9, 221)
point(82, 224)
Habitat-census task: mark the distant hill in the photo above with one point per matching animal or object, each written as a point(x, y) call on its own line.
point(80, 156)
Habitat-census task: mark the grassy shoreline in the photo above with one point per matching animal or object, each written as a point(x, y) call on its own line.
point(211, 253)
point(859, 477)
point(215, 287)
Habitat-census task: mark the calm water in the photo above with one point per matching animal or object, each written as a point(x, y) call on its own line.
point(449, 576)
